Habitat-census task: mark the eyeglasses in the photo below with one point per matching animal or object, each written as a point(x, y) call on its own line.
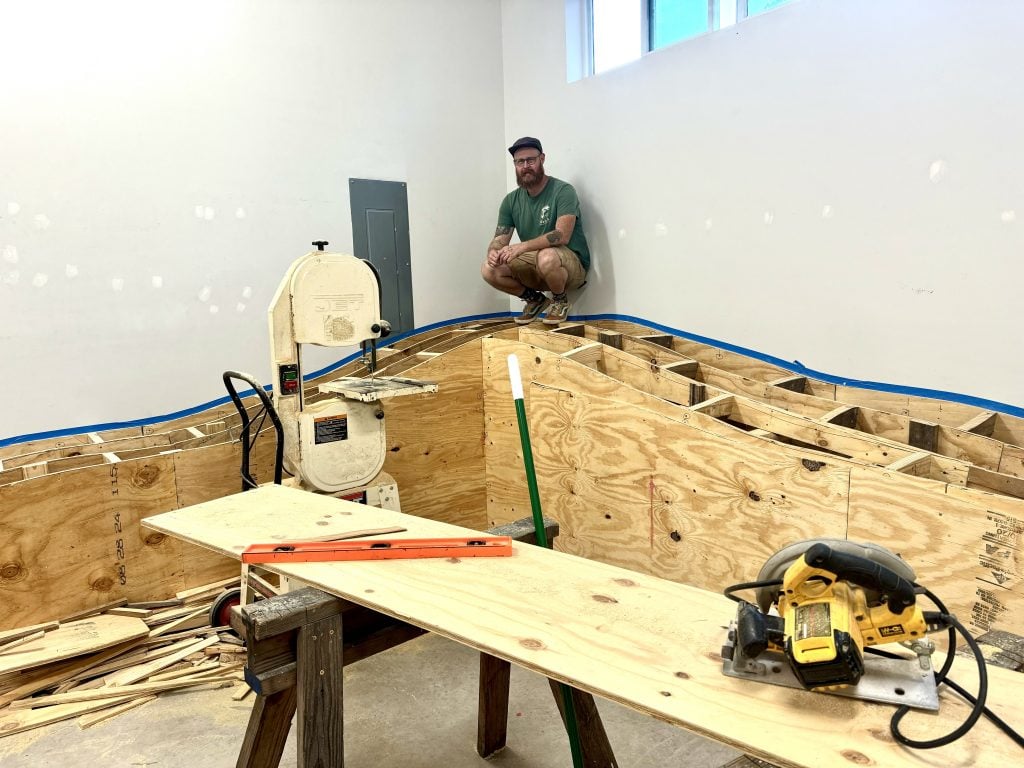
point(526, 161)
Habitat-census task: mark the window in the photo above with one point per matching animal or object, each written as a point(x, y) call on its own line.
point(675, 20)
point(604, 34)
point(617, 37)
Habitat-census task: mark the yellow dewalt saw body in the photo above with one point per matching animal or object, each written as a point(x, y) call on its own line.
point(819, 604)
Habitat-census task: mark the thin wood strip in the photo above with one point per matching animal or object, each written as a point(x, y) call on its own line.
point(139, 656)
point(17, 634)
point(7, 647)
point(350, 534)
point(166, 628)
point(89, 612)
point(110, 693)
point(186, 671)
point(53, 674)
point(183, 649)
point(88, 721)
point(212, 588)
point(18, 721)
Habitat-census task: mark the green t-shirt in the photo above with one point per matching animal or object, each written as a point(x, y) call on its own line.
point(536, 216)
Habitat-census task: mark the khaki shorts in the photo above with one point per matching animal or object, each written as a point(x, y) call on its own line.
point(524, 267)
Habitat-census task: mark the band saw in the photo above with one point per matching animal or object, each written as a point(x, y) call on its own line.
point(334, 440)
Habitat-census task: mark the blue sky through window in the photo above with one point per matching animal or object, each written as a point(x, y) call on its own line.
point(673, 20)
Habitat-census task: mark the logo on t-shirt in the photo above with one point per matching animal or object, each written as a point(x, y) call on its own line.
point(545, 215)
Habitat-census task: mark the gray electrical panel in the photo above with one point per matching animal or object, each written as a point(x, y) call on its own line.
point(380, 234)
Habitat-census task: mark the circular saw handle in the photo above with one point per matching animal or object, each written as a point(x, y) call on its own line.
point(865, 573)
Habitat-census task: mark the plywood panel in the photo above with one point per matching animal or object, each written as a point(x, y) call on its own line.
point(74, 639)
point(648, 643)
point(435, 441)
point(702, 509)
point(71, 540)
point(507, 495)
point(969, 556)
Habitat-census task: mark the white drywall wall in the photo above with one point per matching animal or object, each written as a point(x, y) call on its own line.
point(835, 182)
point(162, 163)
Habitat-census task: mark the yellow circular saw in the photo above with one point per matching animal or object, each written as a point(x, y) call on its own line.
point(819, 604)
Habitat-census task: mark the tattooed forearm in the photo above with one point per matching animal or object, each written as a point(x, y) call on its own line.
point(501, 237)
point(554, 237)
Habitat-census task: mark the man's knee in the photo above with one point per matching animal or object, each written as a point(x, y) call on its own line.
point(489, 273)
point(548, 259)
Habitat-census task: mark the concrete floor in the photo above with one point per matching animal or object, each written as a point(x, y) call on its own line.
point(413, 706)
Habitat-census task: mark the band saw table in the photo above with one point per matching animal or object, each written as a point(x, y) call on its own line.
point(644, 642)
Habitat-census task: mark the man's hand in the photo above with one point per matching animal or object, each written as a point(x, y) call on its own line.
point(495, 248)
point(509, 252)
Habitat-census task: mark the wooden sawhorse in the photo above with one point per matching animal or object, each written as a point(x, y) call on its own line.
point(298, 644)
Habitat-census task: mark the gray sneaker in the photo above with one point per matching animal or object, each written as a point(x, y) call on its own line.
point(557, 312)
point(532, 310)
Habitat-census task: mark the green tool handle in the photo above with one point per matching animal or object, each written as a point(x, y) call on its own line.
point(542, 540)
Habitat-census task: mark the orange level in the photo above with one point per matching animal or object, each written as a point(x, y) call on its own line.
point(378, 549)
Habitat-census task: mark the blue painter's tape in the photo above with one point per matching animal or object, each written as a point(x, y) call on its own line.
point(224, 400)
point(790, 365)
point(797, 367)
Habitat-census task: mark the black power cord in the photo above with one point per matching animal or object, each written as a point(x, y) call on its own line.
point(953, 625)
point(978, 707)
point(749, 585)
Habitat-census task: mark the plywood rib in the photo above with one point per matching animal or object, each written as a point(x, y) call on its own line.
point(959, 445)
point(1006, 428)
point(832, 431)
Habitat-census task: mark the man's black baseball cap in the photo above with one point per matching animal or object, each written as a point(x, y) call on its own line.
point(526, 141)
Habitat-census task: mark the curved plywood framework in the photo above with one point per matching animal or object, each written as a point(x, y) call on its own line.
point(650, 458)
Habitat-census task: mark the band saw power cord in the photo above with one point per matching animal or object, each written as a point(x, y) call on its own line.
point(944, 618)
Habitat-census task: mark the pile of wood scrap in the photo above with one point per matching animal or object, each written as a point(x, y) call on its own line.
point(96, 666)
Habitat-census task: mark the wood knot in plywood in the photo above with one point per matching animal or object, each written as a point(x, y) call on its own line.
point(857, 758)
point(145, 476)
point(154, 539)
point(12, 572)
point(811, 465)
point(682, 676)
point(532, 643)
point(102, 584)
point(604, 599)
point(625, 582)
point(754, 496)
point(675, 536)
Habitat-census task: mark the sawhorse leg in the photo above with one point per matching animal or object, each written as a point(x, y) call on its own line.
point(492, 718)
point(492, 715)
point(295, 667)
